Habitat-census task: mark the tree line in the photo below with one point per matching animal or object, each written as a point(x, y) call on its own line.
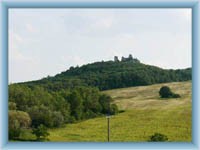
point(31, 107)
point(113, 74)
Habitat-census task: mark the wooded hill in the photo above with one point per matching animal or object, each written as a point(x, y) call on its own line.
point(74, 95)
point(113, 74)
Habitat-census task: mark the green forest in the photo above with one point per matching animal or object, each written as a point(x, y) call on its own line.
point(107, 75)
point(75, 94)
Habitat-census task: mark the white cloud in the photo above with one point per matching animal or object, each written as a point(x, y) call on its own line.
point(183, 14)
point(21, 67)
point(15, 37)
point(187, 14)
point(30, 28)
point(104, 23)
point(16, 56)
point(18, 38)
point(15, 42)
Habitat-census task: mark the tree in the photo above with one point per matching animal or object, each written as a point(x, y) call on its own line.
point(135, 60)
point(105, 100)
point(91, 99)
point(71, 68)
point(18, 120)
point(165, 92)
point(12, 106)
point(76, 104)
point(19, 94)
point(57, 119)
point(61, 104)
point(41, 115)
point(41, 132)
point(113, 109)
point(157, 137)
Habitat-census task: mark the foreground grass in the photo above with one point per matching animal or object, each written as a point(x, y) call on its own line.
point(145, 113)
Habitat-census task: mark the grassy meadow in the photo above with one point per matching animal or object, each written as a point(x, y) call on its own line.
point(145, 113)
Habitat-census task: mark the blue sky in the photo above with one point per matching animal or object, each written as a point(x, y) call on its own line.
point(45, 42)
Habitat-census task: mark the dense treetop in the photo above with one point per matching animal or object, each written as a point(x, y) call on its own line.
point(113, 74)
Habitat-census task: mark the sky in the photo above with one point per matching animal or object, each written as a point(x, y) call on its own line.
point(45, 42)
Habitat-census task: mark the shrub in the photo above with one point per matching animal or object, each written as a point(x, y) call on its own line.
point(165, 92)
point(14, 131)
point(44, 115)
point(57, 119)
point(105, 101)
point(157, 137)
point(41, 132)
point(176, 95)
point(12, 106)
point(113, 109)
point(17, 121)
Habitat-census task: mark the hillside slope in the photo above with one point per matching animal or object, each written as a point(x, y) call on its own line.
point(145, 113)
point(111, 75)
point(147, 97)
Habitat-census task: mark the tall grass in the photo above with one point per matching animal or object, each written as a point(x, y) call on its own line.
point(145, 114)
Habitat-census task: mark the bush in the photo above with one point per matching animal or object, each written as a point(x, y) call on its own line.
point(14, 131)
point(41, 132)
point(12, 106)
point(57, 119)
point(44, 115)
point(105, 101)
point(113, 109)
point(157, 137)
point(176, 96)
point(165, 92)
point(17, 121)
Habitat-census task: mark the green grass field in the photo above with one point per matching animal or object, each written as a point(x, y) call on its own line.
point(145, 114)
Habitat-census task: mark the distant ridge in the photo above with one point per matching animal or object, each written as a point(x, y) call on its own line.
point(113, 74)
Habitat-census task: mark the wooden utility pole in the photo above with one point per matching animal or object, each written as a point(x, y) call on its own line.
point(108, 121)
